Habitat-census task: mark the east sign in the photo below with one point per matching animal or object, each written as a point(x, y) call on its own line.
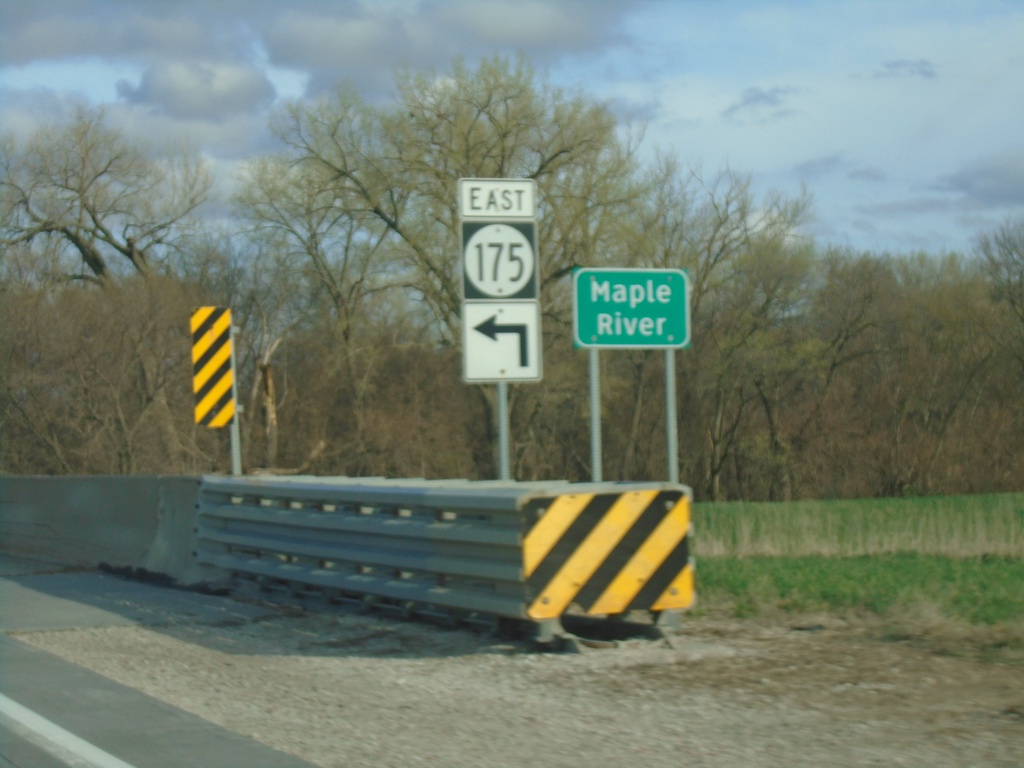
point(498, 199)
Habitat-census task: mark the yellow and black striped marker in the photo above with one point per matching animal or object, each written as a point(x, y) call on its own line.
point(213, 374)
point(608, 553)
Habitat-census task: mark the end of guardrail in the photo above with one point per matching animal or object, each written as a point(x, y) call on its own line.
point(529, 552)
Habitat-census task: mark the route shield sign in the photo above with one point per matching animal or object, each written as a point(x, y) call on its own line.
point(631, 308)
point(501, 329)
point(499, 260)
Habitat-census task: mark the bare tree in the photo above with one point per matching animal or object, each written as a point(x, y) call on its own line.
point(366, 196)
point(395, 169)
point(107, 210)
point(748, 267)
point(1002, 252)
point(101, 196)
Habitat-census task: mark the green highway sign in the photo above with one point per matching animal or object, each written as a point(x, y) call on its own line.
point(631, 308)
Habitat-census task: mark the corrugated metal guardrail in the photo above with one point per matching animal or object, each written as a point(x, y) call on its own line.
point(532, 551)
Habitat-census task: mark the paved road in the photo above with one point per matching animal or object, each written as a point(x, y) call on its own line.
point(19, 752)
point(54, 714)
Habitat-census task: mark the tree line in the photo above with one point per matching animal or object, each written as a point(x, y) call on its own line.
point(813, 371)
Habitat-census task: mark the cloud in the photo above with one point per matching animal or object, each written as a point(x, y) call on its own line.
point(866, 107)
point(533, 24)
point(907, 68)
point(200, 90)
point(118, 29)
point(630, 111)
point(948, 212)
point(761, 105)
point(886, 238)
point(867, 174)
point(911, 206)
point(995, 181)
point(350, 44)
point(235, 137)
point(818, 167)
point(329, 41)
point(24, 111)
point(308, 40)
point(362, 42)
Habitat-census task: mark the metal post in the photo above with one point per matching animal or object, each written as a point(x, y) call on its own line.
point(236, 434)
point(671, 428)
point(503, 451)
point(236, 447)
point(595, 416)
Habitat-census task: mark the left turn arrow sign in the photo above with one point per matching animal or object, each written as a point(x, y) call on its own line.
point(491, 328)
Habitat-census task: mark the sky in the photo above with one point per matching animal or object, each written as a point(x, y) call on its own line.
point(902, 119)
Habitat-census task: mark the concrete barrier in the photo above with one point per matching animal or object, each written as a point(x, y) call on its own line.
point(124, 521)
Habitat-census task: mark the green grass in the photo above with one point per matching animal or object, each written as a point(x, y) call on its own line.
point(955, 526)
point(978, 591)
point(951, 558)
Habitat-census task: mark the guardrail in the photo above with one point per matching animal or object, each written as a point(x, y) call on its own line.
point(528, 551)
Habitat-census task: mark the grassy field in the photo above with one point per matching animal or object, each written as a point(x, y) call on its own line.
point(960, 559)
point(953, 526)
point(976, 590)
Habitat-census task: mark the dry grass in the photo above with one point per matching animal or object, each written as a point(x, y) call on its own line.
point(952, 526)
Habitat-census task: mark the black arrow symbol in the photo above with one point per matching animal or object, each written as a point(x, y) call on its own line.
point(491, 328)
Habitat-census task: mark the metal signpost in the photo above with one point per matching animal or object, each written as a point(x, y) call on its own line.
point(501, 327)
point(632, 309)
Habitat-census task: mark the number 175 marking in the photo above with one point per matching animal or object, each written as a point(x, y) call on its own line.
point(499, 260)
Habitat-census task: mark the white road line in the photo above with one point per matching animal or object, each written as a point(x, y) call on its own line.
point(64, 745)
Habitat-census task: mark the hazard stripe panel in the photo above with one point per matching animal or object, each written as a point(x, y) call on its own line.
point(606, 554)
point(213, 376)
point(551, 527)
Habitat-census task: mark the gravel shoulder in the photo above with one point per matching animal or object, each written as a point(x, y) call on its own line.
point(346, 689)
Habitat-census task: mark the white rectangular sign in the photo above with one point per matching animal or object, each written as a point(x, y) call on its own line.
point(497, 198)
point(501, 341)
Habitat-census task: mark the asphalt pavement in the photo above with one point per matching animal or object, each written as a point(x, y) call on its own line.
point(54, 714)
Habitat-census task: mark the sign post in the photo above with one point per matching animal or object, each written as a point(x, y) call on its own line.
point(596, 460)
point(671, 426)
point(501, 326)
point(632, 309)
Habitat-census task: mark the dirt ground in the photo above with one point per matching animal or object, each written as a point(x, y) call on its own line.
point(346, 689)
